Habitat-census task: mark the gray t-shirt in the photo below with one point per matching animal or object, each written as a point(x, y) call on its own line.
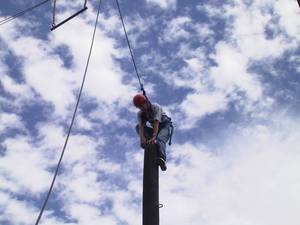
point(156, 113)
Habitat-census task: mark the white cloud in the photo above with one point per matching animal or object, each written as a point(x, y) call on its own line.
point(215, 87)
point(236, 185)
point(203, 30)
point(198, 105)
point(165, 4)
point(137, 27)
point(231, 72)
point(20, 212)
point(83, 123)
point(252, 180)
point(211, 10)
point(105, 166)
point(107, 113)
point(24, 165)
point(81, 147)
point(176, 29)
point(10, 120)
point(15, 211)
point(8, 184)
point(124, 208)
point(296, 61)
point(288, 13)
point(44, 71)
point(25, 162)
point(86, 214)
point(83, 186)
point(51, 135)
point(194, 64)
point(12, 87)
point(104, 74)
point(249, 30)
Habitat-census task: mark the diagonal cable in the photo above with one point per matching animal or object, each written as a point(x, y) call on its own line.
point(10, 18)
point(73, 118)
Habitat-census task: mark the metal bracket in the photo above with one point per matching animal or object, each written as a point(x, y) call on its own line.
point(66, 20)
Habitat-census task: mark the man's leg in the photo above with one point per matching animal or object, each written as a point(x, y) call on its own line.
point(161, 140)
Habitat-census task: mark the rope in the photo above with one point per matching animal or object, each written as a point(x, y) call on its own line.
point(128, 43)
point(73, 118)
point(10, 18)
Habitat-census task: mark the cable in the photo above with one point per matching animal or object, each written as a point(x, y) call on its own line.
point(128, 43)
point(10, 18)
point(73, 118)
point(85, 2)
point(54, 10)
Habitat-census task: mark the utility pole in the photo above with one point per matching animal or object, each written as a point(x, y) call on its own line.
point(150, 187)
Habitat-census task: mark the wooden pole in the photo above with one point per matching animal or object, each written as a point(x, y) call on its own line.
point(150, 187)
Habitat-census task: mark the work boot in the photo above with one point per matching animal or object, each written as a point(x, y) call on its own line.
point(162, 163)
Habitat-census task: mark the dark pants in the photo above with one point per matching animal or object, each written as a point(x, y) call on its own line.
point(161, 139)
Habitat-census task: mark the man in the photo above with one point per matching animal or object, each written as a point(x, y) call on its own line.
point(158, 133)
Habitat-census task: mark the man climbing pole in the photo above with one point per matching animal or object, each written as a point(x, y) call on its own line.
point(161, 127)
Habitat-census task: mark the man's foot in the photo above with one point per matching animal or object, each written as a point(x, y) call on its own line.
point(162, 163)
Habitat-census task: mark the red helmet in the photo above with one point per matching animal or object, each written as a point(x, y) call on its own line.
point(139, 100)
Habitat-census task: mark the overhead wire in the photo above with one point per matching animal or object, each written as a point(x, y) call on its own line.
point(10, 18)
point(130, 49)
point(72, 121)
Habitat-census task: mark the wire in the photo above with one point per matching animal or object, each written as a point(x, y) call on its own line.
point(128, 43)
point(10, 18)
point(54, 10)
point(73, 118)
point(85, 2)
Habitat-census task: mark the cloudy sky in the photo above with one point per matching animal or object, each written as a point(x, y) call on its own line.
point(227, 72)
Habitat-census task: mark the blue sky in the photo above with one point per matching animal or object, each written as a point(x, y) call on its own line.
point(227, 72)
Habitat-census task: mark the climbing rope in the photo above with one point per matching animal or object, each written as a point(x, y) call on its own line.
point(129, 46)
point(10, 18)
point(73, 118)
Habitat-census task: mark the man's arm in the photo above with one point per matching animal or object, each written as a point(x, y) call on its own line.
point(141, 132)
point(155, 132)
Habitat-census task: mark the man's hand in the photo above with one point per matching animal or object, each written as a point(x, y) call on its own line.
point(143, 140)
point(151, 141)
